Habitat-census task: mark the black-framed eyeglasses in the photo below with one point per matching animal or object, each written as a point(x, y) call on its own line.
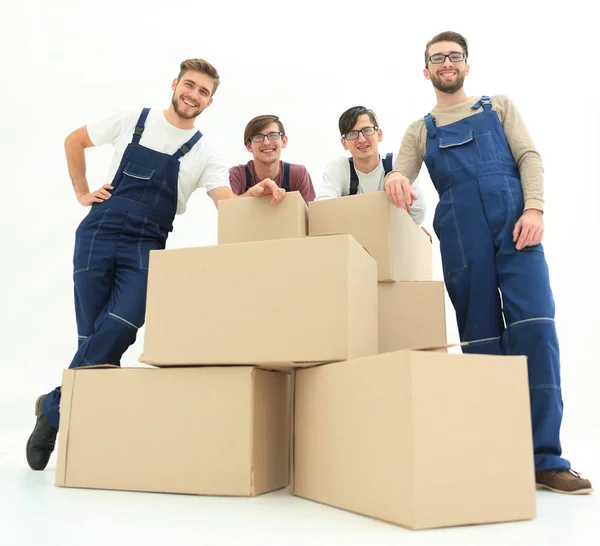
point(261, 138)
point(366, 131)
point(454, 56)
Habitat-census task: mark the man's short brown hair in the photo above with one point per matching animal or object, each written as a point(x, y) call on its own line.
point(448, 36)
point(257, 124)
point(202, 66)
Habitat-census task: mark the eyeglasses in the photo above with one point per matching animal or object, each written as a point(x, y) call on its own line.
point(439, 58)
point(366, 131)
point(261, 138)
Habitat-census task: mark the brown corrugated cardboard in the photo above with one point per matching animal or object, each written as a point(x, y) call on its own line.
point(204, 431)
point(422, 439)
point(403, 250)
point(255, 219)
point(411, 315)
point(298, 300)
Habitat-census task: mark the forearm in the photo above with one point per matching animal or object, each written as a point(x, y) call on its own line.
point(409, 158)
point(532, 181)
point(75, 154)
point(75, 145)
point(527, 158)
point(221, 193)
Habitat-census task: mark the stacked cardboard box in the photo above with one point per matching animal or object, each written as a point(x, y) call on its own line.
point(307, 352)
point(225, 325)
point(411, 305)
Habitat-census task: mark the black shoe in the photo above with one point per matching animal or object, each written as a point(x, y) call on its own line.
point(42, 440)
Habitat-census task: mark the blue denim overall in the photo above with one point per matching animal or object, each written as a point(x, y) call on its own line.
point(112, 248)
point(501, 296)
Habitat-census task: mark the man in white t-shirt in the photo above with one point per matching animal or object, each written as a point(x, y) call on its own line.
point(159, 160)
point(366, 170)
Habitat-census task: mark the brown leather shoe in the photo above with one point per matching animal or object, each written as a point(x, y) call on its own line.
point(562, 481)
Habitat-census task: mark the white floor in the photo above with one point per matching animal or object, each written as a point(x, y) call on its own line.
point(33, 511)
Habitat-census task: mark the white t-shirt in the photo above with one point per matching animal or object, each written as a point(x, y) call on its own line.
point(201, 167)
point(336, 183)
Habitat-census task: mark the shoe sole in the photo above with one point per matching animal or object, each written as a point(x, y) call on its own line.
point(37, 414)
point(583, 491)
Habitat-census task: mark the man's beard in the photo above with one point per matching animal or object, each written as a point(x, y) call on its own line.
point(449, 87)
point(180, 113)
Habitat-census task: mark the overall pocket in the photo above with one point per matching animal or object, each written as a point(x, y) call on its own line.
point(464, 148)
point(140, 184)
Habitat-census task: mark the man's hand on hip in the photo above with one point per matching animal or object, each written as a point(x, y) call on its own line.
point(87, 199)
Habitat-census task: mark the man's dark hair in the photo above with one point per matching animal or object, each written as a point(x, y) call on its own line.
point(349, 117)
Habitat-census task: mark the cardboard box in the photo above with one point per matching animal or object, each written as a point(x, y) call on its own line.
point(255, 219)
point(403, 250)
point(412, 315)
point(421, 439)
point(273, 303)
point(203, 431)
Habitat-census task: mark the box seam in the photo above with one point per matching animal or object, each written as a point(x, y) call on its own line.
point(252, 424)
point(68, 432)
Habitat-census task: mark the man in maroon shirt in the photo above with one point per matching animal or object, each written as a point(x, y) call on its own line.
point(264, 138)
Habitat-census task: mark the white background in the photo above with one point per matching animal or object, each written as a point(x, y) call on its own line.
point(68, 62)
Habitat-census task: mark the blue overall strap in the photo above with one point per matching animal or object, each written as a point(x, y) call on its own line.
point(139, 126)
point(353, 177)
point(388, 163)
point(248, 177)
point(430, 124)
point(484, 102)
point(286, 176)
point(185, 148)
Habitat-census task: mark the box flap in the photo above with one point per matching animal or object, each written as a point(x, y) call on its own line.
point(441, 347)
point(344, 233)
point(96, 367)
point(274, 366)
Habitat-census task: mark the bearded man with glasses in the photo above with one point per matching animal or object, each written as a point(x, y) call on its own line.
point(365, 170)
point(489, 178)
point(264, 138)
